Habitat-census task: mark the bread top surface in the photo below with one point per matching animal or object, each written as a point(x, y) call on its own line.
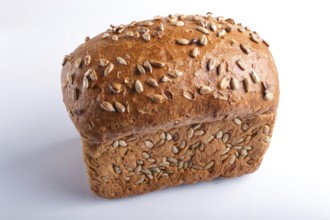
point(167, 72)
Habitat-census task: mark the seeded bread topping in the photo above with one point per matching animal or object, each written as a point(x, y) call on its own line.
point(134, 82)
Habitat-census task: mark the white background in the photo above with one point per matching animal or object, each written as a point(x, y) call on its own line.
point(42, 175)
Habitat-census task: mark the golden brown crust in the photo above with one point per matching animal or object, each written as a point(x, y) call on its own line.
point(219, 81)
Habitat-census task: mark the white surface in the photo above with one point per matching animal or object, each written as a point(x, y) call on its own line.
point(41, 167)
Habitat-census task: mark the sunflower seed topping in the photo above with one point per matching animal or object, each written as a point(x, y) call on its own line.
point(152, 82)
point(108, 69)
point(147, 66)
point(254, 76)
point(246, 84)
point(115, 88)
point(165, 79)
point(122, 143)
point(161, 27)
point(114, 37)
point(121, 61)
point(224, 83)
point(87, 60)
point(219, 134)
point(237, 121)
point(202, 29)
point(175, 150)
point(266, 129)
point(178, 23)
point(157, 63)
point(188, 95)
point(120, 107)
point(157, 98)
point(232, 159)
point(225, 137)
point(107, 106)
point(244, 49)
point(213, 26)
point(105, 35)
point(221, 33)
point(175, 73)
point(194, 52)
point(203, 40)
point(146, 36)
point(268, 95)
point(77, 62)
point(103, 62)
point(85, 83)
point(210, 64)
point(254, 38)
point(234, 83)
point(182, 41)
point(138, 86)
point(148, 144)
point(221, 69)
point(241, 64)
point(205, 90)
point(209, 165)
point(245, 127)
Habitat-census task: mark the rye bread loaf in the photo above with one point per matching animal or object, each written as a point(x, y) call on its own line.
point(170, 101)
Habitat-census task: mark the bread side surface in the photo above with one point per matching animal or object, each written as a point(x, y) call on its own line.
point(166, 73)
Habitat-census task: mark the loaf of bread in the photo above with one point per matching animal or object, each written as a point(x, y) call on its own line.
point(169, 101)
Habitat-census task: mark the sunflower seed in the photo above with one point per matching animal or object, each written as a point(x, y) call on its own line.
point(85, 83)
point(197, 167)
point(237, 121)
point(197, 18)
point(196, 126)
point(69, 77)
point(182, 144)
point(254, 77)
point(178, 23)
point(77, 62)
point(221, 69)
point(138, 86)
point(182, 41)
point(157, 98)
point(175, 150)
point(120, 107)
point(202, 29)
point(246, 84)
point(157, 63)
point(209, 139)
point(140, 181)
point(115, 143)
point(213, 26)
point(243, 152)
point(148, 144)
point(267, 139)
point(226, 150)
point(237, 147)
point(108, 69)
point(203, 40)
point(268, 95)
point(203, 23)
point(145, 155)
point(224, 83)
point(254, 38)
point(241, 64)
point(209, 165)
point(114, 37)
point(245, 127)
point(115, 88)
point(145, 23)
point(104, 179)
point(221, 33)
point(232, 159)
point(244, 49)
point(199, 133)
point(103, 62)
point(172, 160)
point(223, 157)
point(266, 129)
point(205, 90)
point(91, 74)
point(188, 95)
point(146, 36)
point(210, 64)
point(161, 27)
point(194, 52)
point(225, 137)
point(107, 106)
point(165, 79)
point(87, 60)
point(147, 66)
point(162, 136)
point(180, 164)
point(121, 61)
point(138, 169)
point(164, 164)
point(116, 169)
point(234, 83)
point(190, 133)
point(152, 82)
point(158, 17)
point(175, 73)
point(105, 35)
point(218, 135)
